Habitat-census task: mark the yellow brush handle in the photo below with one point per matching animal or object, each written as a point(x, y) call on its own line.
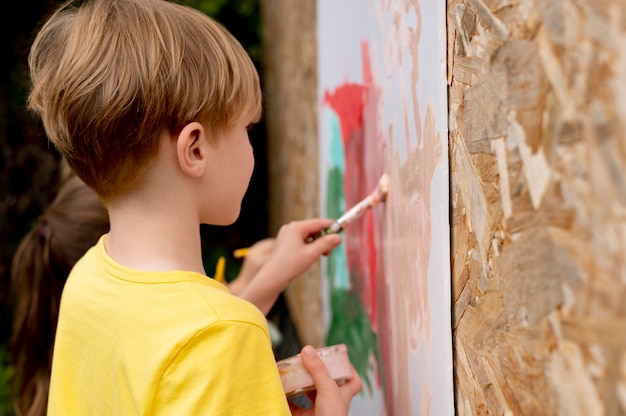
point(220, 270)
point(240, 252)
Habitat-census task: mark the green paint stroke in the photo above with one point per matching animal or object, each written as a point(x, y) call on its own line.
point(349, 323)
point(337, 156)
point(336, 268)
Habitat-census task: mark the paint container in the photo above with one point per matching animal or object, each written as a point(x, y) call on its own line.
point(296, 379)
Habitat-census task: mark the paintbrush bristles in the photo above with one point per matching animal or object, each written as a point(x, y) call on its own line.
point(383, 186)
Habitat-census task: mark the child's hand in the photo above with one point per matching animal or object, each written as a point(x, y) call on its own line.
point(292, 251)
point(291, 256)
point(328, 398)
point(255, 258)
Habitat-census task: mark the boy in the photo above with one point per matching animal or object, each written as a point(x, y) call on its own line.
point(149, 102)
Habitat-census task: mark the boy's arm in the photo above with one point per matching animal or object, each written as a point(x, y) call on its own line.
point(291, 256)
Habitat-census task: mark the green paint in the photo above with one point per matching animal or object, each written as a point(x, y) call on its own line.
point(336, 268)
point(349, 323)
point(337, 156)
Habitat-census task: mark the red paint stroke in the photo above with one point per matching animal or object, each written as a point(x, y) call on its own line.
point(356, 108)
point(347, 103)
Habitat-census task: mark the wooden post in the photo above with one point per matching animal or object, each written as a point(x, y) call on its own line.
point(290, 90)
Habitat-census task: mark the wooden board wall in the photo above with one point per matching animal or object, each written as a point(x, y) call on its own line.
point(538, 205)
point(290, 95)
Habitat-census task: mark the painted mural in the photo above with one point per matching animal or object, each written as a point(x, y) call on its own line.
point(383, 109)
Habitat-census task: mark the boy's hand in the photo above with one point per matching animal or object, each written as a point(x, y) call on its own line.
point(292, 250)
point(328, 398)
point(291, 256)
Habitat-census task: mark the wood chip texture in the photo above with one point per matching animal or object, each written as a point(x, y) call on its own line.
point(537, 101)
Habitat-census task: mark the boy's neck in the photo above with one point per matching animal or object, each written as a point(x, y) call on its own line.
point(154, 234)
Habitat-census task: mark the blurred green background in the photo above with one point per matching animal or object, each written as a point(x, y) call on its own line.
point(29, 164)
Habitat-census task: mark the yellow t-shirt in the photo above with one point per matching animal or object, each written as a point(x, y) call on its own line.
point(159, 343)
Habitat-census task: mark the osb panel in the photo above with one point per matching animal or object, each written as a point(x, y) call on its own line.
point(538, 199)
point(290, 95)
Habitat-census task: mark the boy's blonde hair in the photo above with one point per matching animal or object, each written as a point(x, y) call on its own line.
point(109, 77)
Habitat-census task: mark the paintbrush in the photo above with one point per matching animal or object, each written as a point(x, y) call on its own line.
point(378, 195)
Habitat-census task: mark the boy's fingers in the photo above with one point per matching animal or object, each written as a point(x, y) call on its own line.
point(354, 385)
point(316, 368)
point(326, 243)
point(328, 394)
point(315, 225)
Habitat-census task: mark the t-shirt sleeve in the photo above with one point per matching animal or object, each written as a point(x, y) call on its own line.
point(227, 368)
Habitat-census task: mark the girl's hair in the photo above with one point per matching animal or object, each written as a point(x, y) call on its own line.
point(72, 224)
point(110, 77)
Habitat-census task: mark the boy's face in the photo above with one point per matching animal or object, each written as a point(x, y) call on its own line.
point(231, 163)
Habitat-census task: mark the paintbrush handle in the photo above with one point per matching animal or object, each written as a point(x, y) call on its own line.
point(357, 211)
point(351, 215)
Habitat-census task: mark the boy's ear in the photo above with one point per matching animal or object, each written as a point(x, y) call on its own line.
point(191, 150)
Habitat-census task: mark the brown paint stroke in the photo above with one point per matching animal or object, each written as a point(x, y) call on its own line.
point(407, 242)
point(407, 239)
point(413, 41)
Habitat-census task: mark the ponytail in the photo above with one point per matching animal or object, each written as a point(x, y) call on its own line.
point(68, 228)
